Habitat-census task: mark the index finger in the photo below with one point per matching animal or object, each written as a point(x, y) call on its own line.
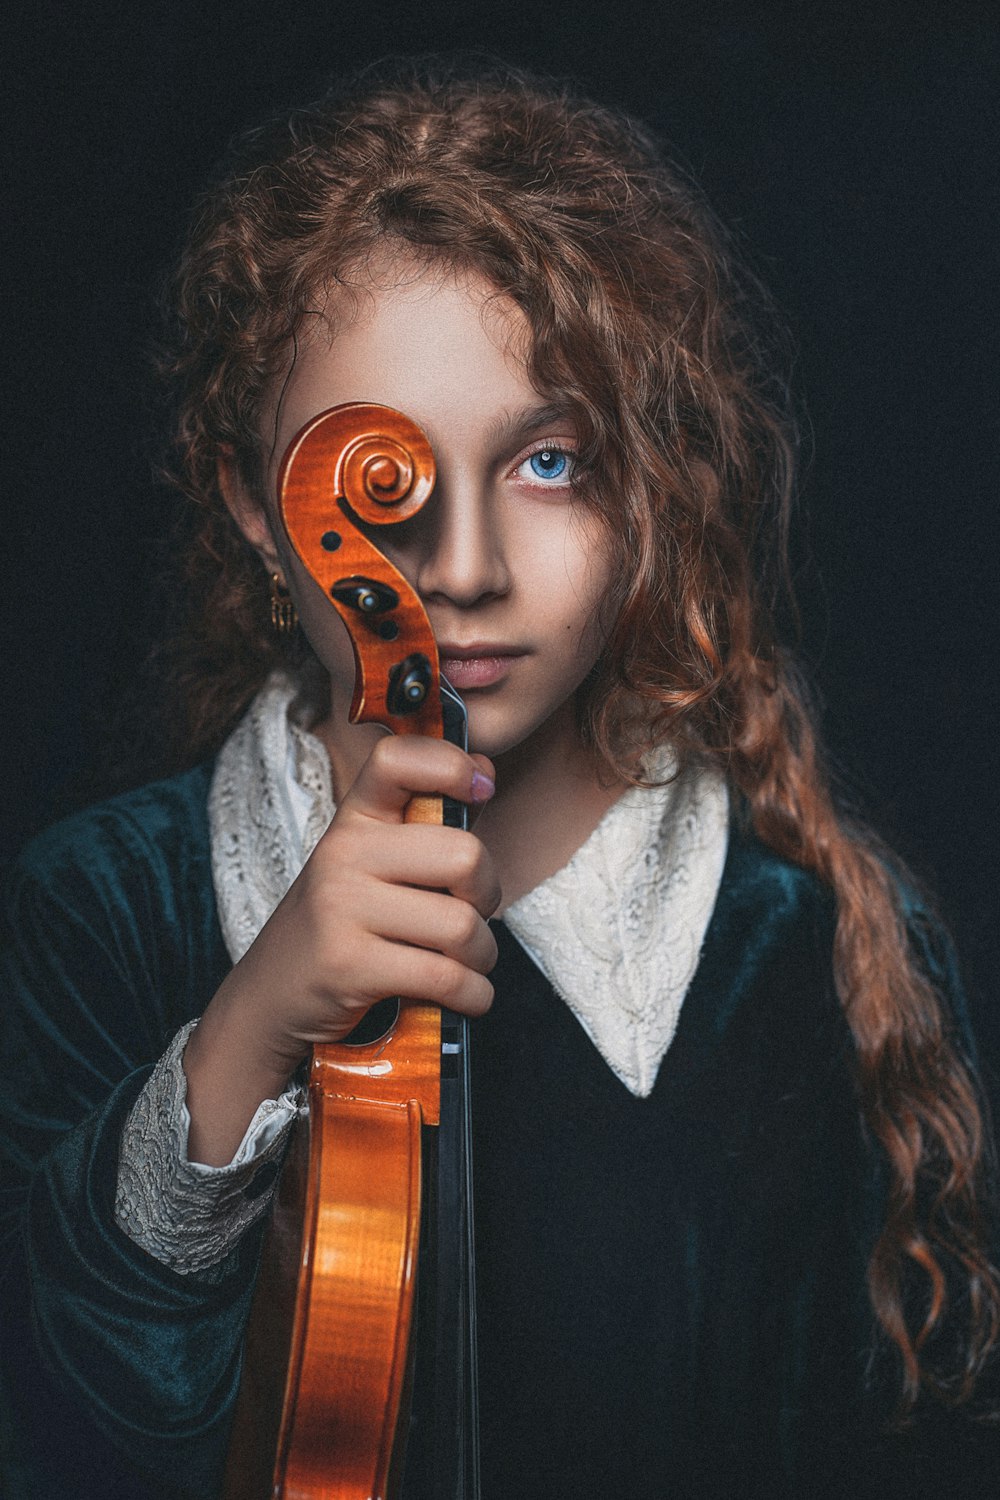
point(403, 767)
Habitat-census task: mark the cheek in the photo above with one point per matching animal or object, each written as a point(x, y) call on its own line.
point(589, 574)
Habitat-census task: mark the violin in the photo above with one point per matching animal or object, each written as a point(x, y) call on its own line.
point(387, 1238)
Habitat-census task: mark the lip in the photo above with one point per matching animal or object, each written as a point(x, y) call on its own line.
point(478, 665)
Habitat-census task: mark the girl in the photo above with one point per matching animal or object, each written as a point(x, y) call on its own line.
point(729, 1152)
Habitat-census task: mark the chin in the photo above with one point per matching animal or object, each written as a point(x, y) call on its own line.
point(497, 734)
point(493, 734)
point(493, 745)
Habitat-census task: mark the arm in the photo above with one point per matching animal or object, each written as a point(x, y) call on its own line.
point(111, 944)
point(184, 1213)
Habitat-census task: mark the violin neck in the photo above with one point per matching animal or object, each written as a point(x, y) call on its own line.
point(450, 1218)
point(443, 1458)
point(446, 1312)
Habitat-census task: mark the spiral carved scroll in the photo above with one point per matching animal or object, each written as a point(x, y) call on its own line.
point(367, 464)
point(385, 478)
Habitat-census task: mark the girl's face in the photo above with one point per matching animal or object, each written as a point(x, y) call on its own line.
point(509, 562)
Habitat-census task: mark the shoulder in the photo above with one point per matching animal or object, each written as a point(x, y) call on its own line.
point(110, 933)
point(776, 922)
point(772, 929)
point(153, 828)
point(764, 988)
point(782, 902)
point(125, 876)
point(763, 892)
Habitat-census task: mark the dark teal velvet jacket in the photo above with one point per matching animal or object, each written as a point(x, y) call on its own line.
point(119, 1376)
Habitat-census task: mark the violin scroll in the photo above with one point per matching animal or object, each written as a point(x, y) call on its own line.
point(353, 466)
point(385, 476)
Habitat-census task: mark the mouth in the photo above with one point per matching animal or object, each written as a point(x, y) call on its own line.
point(477, 666)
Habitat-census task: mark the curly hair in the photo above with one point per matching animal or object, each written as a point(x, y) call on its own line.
point(647, 327)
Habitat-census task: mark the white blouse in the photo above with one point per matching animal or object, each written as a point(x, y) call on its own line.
point(617, 931)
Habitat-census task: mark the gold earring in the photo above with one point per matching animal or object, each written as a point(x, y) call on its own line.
point(284, 615)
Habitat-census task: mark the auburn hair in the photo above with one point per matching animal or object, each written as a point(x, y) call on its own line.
point(648, 329)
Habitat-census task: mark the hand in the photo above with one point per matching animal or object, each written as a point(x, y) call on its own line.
point(380, 908)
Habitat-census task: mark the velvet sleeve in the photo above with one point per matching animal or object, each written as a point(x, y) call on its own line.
point(110, 944)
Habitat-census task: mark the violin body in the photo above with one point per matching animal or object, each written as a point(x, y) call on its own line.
point(354, 1314)
point(345, 1408)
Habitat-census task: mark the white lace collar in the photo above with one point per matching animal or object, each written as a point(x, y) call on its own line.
point(617, 931)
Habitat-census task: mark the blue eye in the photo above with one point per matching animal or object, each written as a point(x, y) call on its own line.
point(550, 463)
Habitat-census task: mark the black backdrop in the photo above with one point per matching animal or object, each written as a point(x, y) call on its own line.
point(855, 154)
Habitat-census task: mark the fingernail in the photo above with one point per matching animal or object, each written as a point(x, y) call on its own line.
point(482, 787)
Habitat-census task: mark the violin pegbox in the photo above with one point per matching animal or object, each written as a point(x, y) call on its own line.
point(357, 465)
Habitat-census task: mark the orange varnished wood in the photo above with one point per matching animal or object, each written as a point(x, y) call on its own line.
point(375, 463)
point(354, 1308)
point(362, 1213)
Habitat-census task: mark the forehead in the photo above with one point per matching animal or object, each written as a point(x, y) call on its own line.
point(440, 344)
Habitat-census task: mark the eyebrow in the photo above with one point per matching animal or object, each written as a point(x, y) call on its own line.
point(517, 426)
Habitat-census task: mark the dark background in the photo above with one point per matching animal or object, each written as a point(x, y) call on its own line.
point(854, 153)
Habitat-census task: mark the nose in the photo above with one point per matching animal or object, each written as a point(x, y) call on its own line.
point(461, 555)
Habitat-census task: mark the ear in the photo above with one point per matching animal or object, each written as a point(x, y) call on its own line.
point(247, 510)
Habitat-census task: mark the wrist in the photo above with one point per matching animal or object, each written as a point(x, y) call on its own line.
point(229, 1075)
point(234, 1031)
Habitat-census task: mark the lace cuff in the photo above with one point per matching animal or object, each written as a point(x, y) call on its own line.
point(185, 1214)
